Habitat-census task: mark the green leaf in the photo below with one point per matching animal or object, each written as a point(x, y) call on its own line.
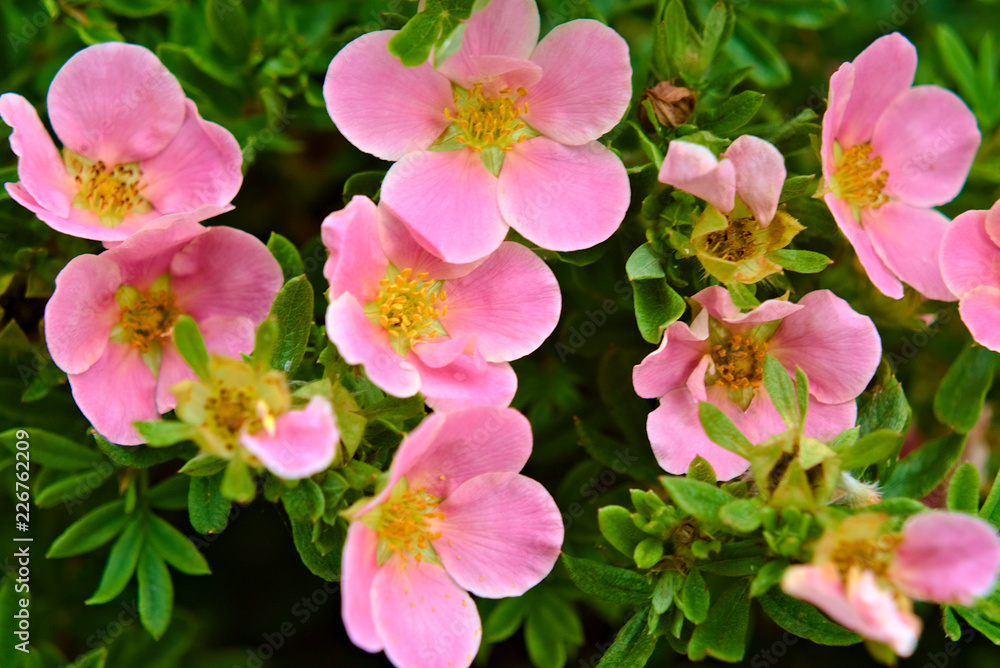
point(649, 147)
point(648, 552)
point(435, 25)
point(721, 430)
point(802, 393)
point(164, 432)
point(697, 498)
point(695, 597)
point(800, 261)
point(782, 392)
point(959, 399)
point(504, 619)
point(719, 26)
point(743, 515)
point(723, 633)
point(672, 39)
point(141, 457)
point(656, 303)
point(951, 626)
point(733, 113)
point(265, 341)
point(175, 548)
point(203, 465)
point(51, 450)
point(191, 346)
point(796, 186)
point(287, 255)
point(923, 469)
point(229, 27)
point(615, 523)
point(963, 491)
point(743, 295)
point(94, 659)
point(156, 592)
point(737, 559)
point(768, 576)
point(701, 469)
point(663, 593)
point(545, 648)
point(10, 606)
point(609, 583)
point(886, 409)
point(90, 531)
point(991, 506)
point(121, 562)
point(325, 566)
point(959, 63)
point(73, 489)
point(871, 449)
point(633, 645)
point(171, 494)
point(208, 508)
point(304, 502)
point(135, 9)
point(750, 47)
point(363, 183)
point(985, 625)
point(293, 309)
point(804, 620)
point(237, 482)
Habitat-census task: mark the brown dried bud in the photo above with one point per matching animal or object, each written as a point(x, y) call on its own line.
point(672, 104)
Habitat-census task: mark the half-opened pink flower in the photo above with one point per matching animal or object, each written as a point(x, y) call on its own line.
point(455, 517)
point(891, 152)
point(419, 324)
point(501, 135)
point(134, 148)
point(109, 322)
point(970, 264)
point(719, 358)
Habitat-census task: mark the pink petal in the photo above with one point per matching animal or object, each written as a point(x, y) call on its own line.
point(908, 239)
point(423, 617)
point(448, 200)
point(969, 255)
point(146, 255)
point(879, 274)
point(563, 197)
point(447, 449)
point(946, 557)
point(302, 444)
point(225, 271)
point(510, 302)
point(360, 341)
point(719, 304)
point(504, 28)
point(121, 373)
point(201, 166)
point(760, 175)
point(677, 437)
point(82, 312)
point(357, 262)
point(173, 369)
point(695, 169)
point(586, 82)
point(468, 381)
point(404, 252)
point(882, 71)
point(838, 98)
point(40, 166)
point(928, 139)
point(500, 535)
point(669, 366)
point(380, 105)
point(824, 421)
point(498, 73)
point(980, 311)
point(993, 223)
point(442, 351)
point(821, 585)
point(838, 348)
point(358, 569)
point(115, 102)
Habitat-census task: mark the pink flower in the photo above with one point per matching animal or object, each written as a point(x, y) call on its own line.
point(892, 151)
point(419, 324)
point(512, 126)
point(454, 517)
point(970, 264)
point(134, 148)
point(299, 443)
point(720, 359)
point(109, 322)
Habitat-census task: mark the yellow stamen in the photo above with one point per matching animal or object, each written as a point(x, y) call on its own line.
point(489, 121)
point(860, 179)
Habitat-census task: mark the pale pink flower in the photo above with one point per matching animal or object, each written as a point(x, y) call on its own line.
point(970, 263)
point(719, 358)
point(454, 518)
point(299, 443)
point(134, 148)
point(419, 324)
point(110, 320)
point(520, 120)
point(891, 152)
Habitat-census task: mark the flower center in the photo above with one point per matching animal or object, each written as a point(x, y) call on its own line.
point(873, 554)
point(860, 179)
point(404, 524)
point(229, 409)
point(407, 306)
point(146, 316)
point(111, 193)
point(739, 362)
point(735, 243)
point(489, 121)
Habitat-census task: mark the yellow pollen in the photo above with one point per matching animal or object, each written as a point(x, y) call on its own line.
point(229, 409)
point(148, 318)
point(739, 362)
point(735, 243)
point(111, 192)
point(405, 523)
point(489, 121)
point(860, 179)
point(407, 307)
point(875, 554)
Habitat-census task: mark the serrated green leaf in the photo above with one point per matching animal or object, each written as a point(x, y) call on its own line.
point(963, 491)
point(804, 620)
point(697, 498)
point(721, 430)
point(191, 346)
point(923, 469)
point(723, 633)
point(293, 310)
point(870, 449)
point(156, 592)
point(208, 508)
point(287, 255)
point(90, 531)
point(799, 261)
point(695, 597)
point(175, 548)
point(609, 583)
point(121, 563)
point(959, 399)
point(632, 646)
point(51, 450)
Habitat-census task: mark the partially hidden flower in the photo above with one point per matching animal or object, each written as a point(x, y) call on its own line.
point(865, 577)
point(419, 324)
point(502, 134)
point(454, 518)
point(108, 324)
point(133, 147)
point(741, 223)
point(246, 410)
point(970, 264)
point(891, 152)
point(720, 357)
